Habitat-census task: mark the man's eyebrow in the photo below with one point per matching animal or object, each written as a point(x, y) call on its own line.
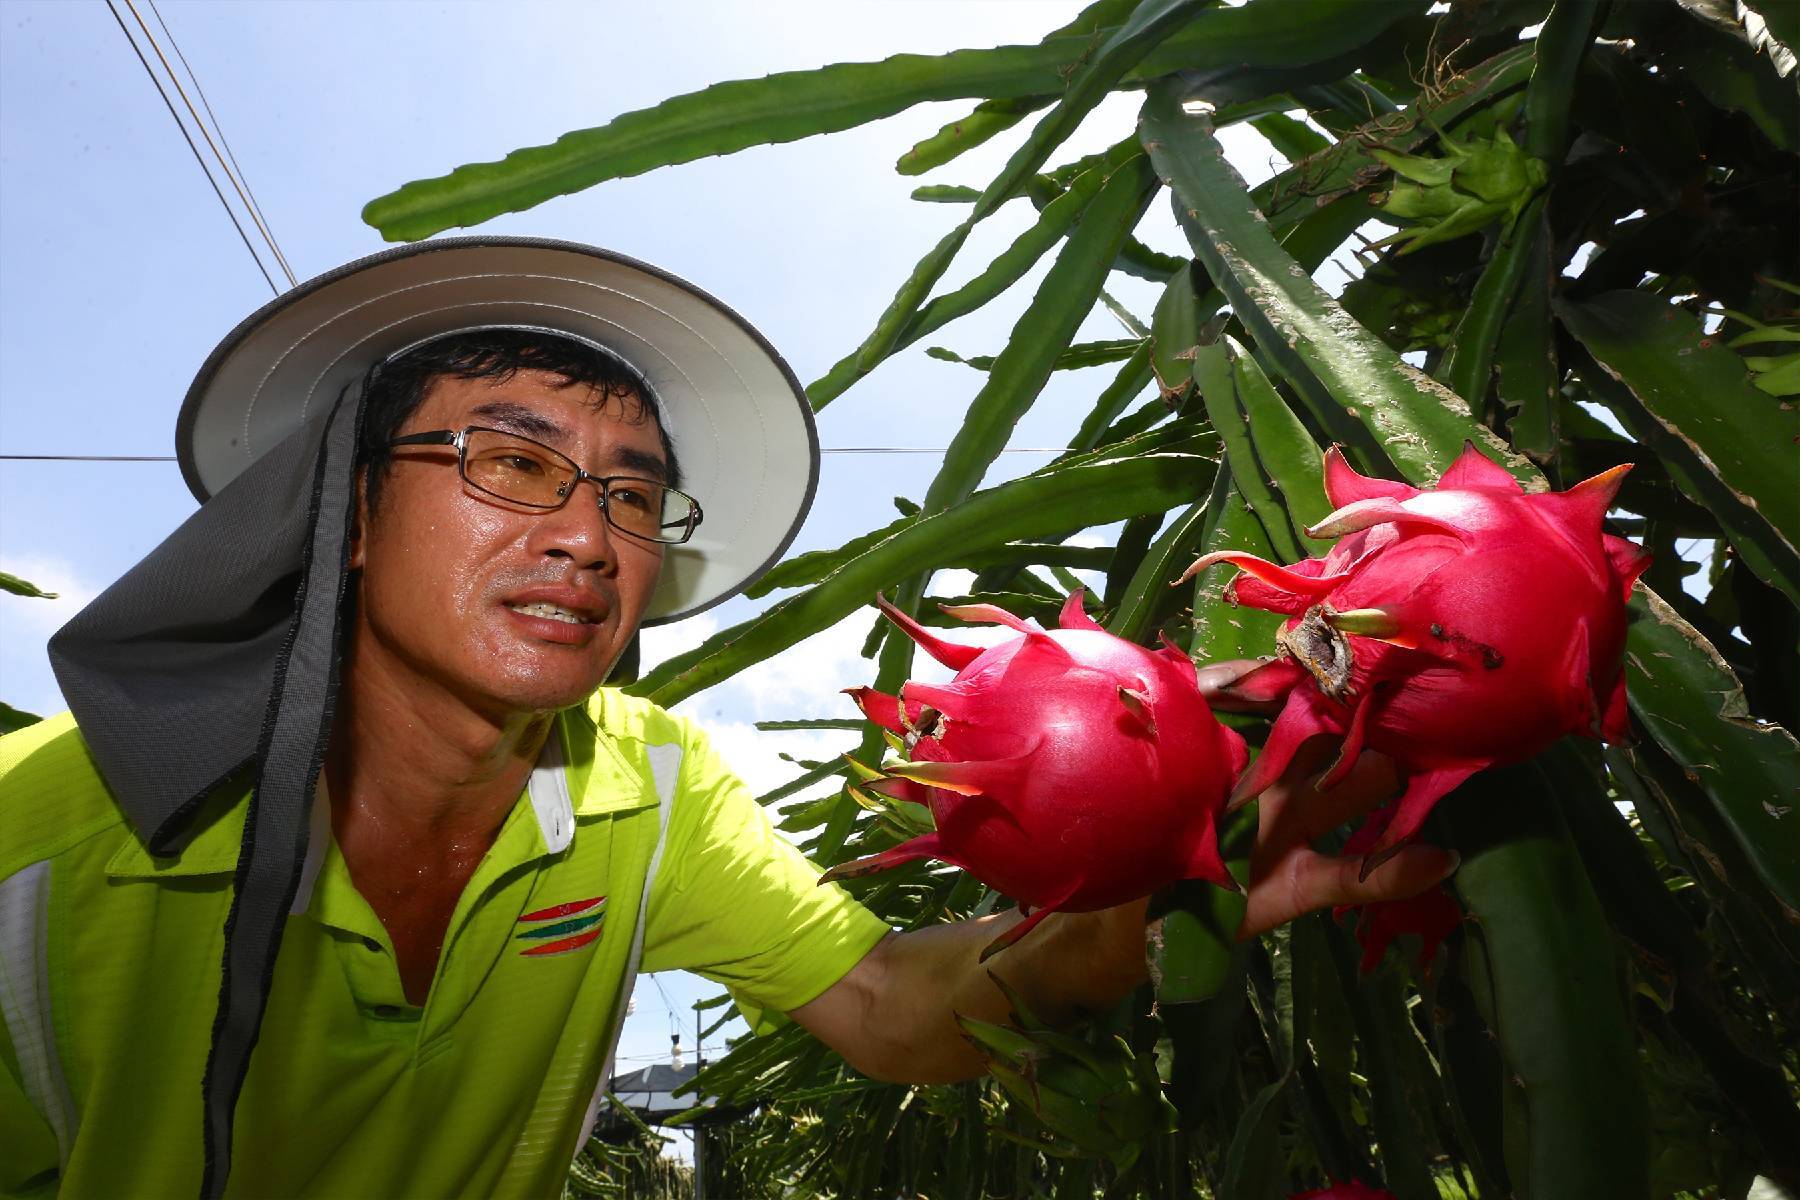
point(641, 463)
point(518, 418)
point(528, 422)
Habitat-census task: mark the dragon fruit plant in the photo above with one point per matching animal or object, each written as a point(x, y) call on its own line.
point(1068, 769)
point(1450, 628)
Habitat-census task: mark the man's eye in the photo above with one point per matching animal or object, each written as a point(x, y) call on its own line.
point(631, 497)
point(523, 464)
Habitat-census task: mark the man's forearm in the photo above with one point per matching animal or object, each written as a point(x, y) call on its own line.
point(917, 983)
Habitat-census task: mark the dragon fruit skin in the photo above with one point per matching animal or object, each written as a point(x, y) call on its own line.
point(1353, 1190)
point(1450, 628)
point(1068, 769)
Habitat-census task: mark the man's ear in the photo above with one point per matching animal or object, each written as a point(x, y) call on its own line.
point(360, 522)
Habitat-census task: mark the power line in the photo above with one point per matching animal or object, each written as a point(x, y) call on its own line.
point(233, 172)
point(195, 150)
point(668, 1008)
point(825, 450)
point(936, 450)
point(718, 1048)
point(88, 457)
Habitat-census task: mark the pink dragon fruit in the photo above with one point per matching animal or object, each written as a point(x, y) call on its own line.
point(1450, 628)
point(1070, 769)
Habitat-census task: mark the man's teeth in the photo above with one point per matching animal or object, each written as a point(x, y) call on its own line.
point(552, 611)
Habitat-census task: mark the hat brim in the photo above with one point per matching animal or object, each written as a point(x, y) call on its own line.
point(739, 420)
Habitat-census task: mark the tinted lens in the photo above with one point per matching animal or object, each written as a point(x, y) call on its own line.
point(647, 509)
point(516, 469)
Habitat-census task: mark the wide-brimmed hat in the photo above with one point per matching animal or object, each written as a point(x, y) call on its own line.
point(742, 428)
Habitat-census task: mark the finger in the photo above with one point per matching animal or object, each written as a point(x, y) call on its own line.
point(1308, 881)
point(1216, 678)
point(1294, 812)
point(1373, 781)
point(1284, 812)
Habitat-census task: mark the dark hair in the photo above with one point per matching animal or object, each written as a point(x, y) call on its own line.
point(396, 388)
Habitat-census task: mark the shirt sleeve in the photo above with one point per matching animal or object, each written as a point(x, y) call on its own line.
point(735, 902)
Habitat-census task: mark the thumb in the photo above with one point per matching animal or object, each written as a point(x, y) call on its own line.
point(1218, 681)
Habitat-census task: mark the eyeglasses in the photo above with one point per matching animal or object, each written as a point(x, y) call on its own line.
point(521, 471)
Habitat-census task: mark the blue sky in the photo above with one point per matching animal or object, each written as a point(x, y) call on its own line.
point(119, 270)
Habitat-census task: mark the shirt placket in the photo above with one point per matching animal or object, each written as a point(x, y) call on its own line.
point(478, 931)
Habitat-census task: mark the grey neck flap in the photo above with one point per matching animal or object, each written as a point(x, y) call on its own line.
point(216, 655)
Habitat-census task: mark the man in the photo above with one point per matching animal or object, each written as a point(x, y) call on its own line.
point(343, 733)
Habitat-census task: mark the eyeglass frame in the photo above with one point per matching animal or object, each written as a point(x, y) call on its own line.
point(459, 438)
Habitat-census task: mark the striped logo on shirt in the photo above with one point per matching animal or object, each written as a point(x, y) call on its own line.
point(561, 927)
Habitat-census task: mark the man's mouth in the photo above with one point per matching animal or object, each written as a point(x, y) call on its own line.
point(554, 612)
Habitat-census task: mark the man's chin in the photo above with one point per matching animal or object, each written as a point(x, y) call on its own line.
point(521, 690)
point(524, 674)
point(540, 695)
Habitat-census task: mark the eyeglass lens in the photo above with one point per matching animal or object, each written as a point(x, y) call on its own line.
point(527, 473)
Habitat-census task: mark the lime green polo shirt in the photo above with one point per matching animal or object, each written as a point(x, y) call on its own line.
point(109, 974)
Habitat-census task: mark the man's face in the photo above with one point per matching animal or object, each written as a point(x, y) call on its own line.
point(447, 570)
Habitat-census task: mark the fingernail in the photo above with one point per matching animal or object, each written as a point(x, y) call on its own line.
point(1220, 676)
point(1455, 862)
point(1213, 677)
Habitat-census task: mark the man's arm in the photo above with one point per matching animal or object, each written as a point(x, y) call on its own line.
point(893, 1015)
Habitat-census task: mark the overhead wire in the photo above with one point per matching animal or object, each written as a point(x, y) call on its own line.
point(112, 7)
point(663, 1057)
point(235, 172)
point(668, 1007)
point(825, 450)
point(88, 457)
point(674, 1025)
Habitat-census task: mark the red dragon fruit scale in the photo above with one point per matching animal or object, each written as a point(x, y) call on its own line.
point(1450, 628)
point(1068, 769)
point(1431, 916)
point(1353, 1189)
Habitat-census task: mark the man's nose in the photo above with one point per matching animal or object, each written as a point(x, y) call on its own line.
point(578, 530)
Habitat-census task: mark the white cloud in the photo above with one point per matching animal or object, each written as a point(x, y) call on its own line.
point(953, 582)
point(26, 624)
point(807, 679)
point(26, 615)
point(804, 682)
point(660, 643)
point(756, 755)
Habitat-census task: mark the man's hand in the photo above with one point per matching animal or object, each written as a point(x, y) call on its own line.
point(1289, 879)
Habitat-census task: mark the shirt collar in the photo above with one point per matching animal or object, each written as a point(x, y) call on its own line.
point(214, 848)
